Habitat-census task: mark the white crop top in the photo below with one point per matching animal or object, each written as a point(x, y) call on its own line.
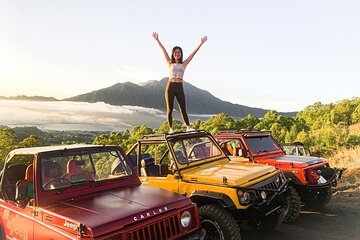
point(176, 70)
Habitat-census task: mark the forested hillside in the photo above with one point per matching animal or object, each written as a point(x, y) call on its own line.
point(324, 129)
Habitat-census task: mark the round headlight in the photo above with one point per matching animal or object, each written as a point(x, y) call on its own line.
point(185, 219)
point(263, 195)
point(245, 198)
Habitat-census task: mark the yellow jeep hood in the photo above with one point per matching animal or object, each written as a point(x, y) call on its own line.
point(237, 174)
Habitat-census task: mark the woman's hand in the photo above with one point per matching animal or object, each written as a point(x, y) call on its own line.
point(203, 39)
point(186, 62)
point(155, 35)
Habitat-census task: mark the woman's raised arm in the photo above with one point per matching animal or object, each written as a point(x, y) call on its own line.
point(156, 37)
point(203, 39)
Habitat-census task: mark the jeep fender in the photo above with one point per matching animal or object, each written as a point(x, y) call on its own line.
point(293, 178)
point(204, 197)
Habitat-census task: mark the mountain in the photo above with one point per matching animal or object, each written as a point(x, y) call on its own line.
point(151, 95)
point(31, 98)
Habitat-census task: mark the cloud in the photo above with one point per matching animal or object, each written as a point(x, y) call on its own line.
point(48, 113)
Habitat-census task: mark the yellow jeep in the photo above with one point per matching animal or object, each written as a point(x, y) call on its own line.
point(226, 192)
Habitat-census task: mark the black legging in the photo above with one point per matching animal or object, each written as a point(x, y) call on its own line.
point(175, 90)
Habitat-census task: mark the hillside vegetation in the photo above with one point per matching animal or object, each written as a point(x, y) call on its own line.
point(330, 130)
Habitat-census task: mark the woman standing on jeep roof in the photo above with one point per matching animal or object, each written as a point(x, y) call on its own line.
point(174, 87)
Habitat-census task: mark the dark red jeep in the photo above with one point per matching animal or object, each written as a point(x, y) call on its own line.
point(312, 177)
point(87, 192)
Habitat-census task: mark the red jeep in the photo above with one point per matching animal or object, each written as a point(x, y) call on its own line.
point(312, 177)
point(87, 192)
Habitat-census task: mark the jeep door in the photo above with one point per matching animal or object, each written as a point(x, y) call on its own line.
point(16, 200)
point(154, 165)
point(46, 231)
point(165, 175)
point(18, 223)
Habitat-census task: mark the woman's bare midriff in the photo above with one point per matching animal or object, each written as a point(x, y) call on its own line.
point(176, 80)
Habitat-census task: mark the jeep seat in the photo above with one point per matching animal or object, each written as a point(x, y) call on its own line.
point(201, 152)
point(180, 157)
point(50, 170)
point(133, 159)
point(149, 168)
point(25, 187)
point(14, 173)
point(75, 173)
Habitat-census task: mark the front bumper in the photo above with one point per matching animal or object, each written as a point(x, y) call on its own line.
point(273, 204)
point(331, 182)
point(198, 235)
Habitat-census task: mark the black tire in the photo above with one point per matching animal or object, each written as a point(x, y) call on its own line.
point(218, 223)
point(318, 199)
point(292, 206)
point(2, 234)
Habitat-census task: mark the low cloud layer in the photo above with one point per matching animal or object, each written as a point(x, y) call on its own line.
point(64, 115)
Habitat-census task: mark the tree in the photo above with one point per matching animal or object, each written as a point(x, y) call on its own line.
point(342, 112)
point(177, 126)
point(291, 136)
point(220, 122)
point(8, 141)
point(355, 116)
point(329, 139)
point(139, 131)
point(31, 141)
point(7, 137)
point(269, 118)
point(249, 122)
point(197, 124)
point(278, 132)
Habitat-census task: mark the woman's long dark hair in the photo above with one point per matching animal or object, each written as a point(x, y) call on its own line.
point(172, 54)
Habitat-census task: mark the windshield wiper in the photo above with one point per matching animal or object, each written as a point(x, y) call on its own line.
point(82, 182)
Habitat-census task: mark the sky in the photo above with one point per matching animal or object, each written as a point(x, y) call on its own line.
point(281, 54)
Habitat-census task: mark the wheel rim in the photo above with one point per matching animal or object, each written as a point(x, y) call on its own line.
point(213, 230)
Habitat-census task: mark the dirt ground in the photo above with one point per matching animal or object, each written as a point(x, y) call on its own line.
point(339, 220)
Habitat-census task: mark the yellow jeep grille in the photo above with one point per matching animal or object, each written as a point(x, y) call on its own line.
point(270, 186)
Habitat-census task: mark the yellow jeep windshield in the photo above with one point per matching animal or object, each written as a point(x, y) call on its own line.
point(194, 149)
